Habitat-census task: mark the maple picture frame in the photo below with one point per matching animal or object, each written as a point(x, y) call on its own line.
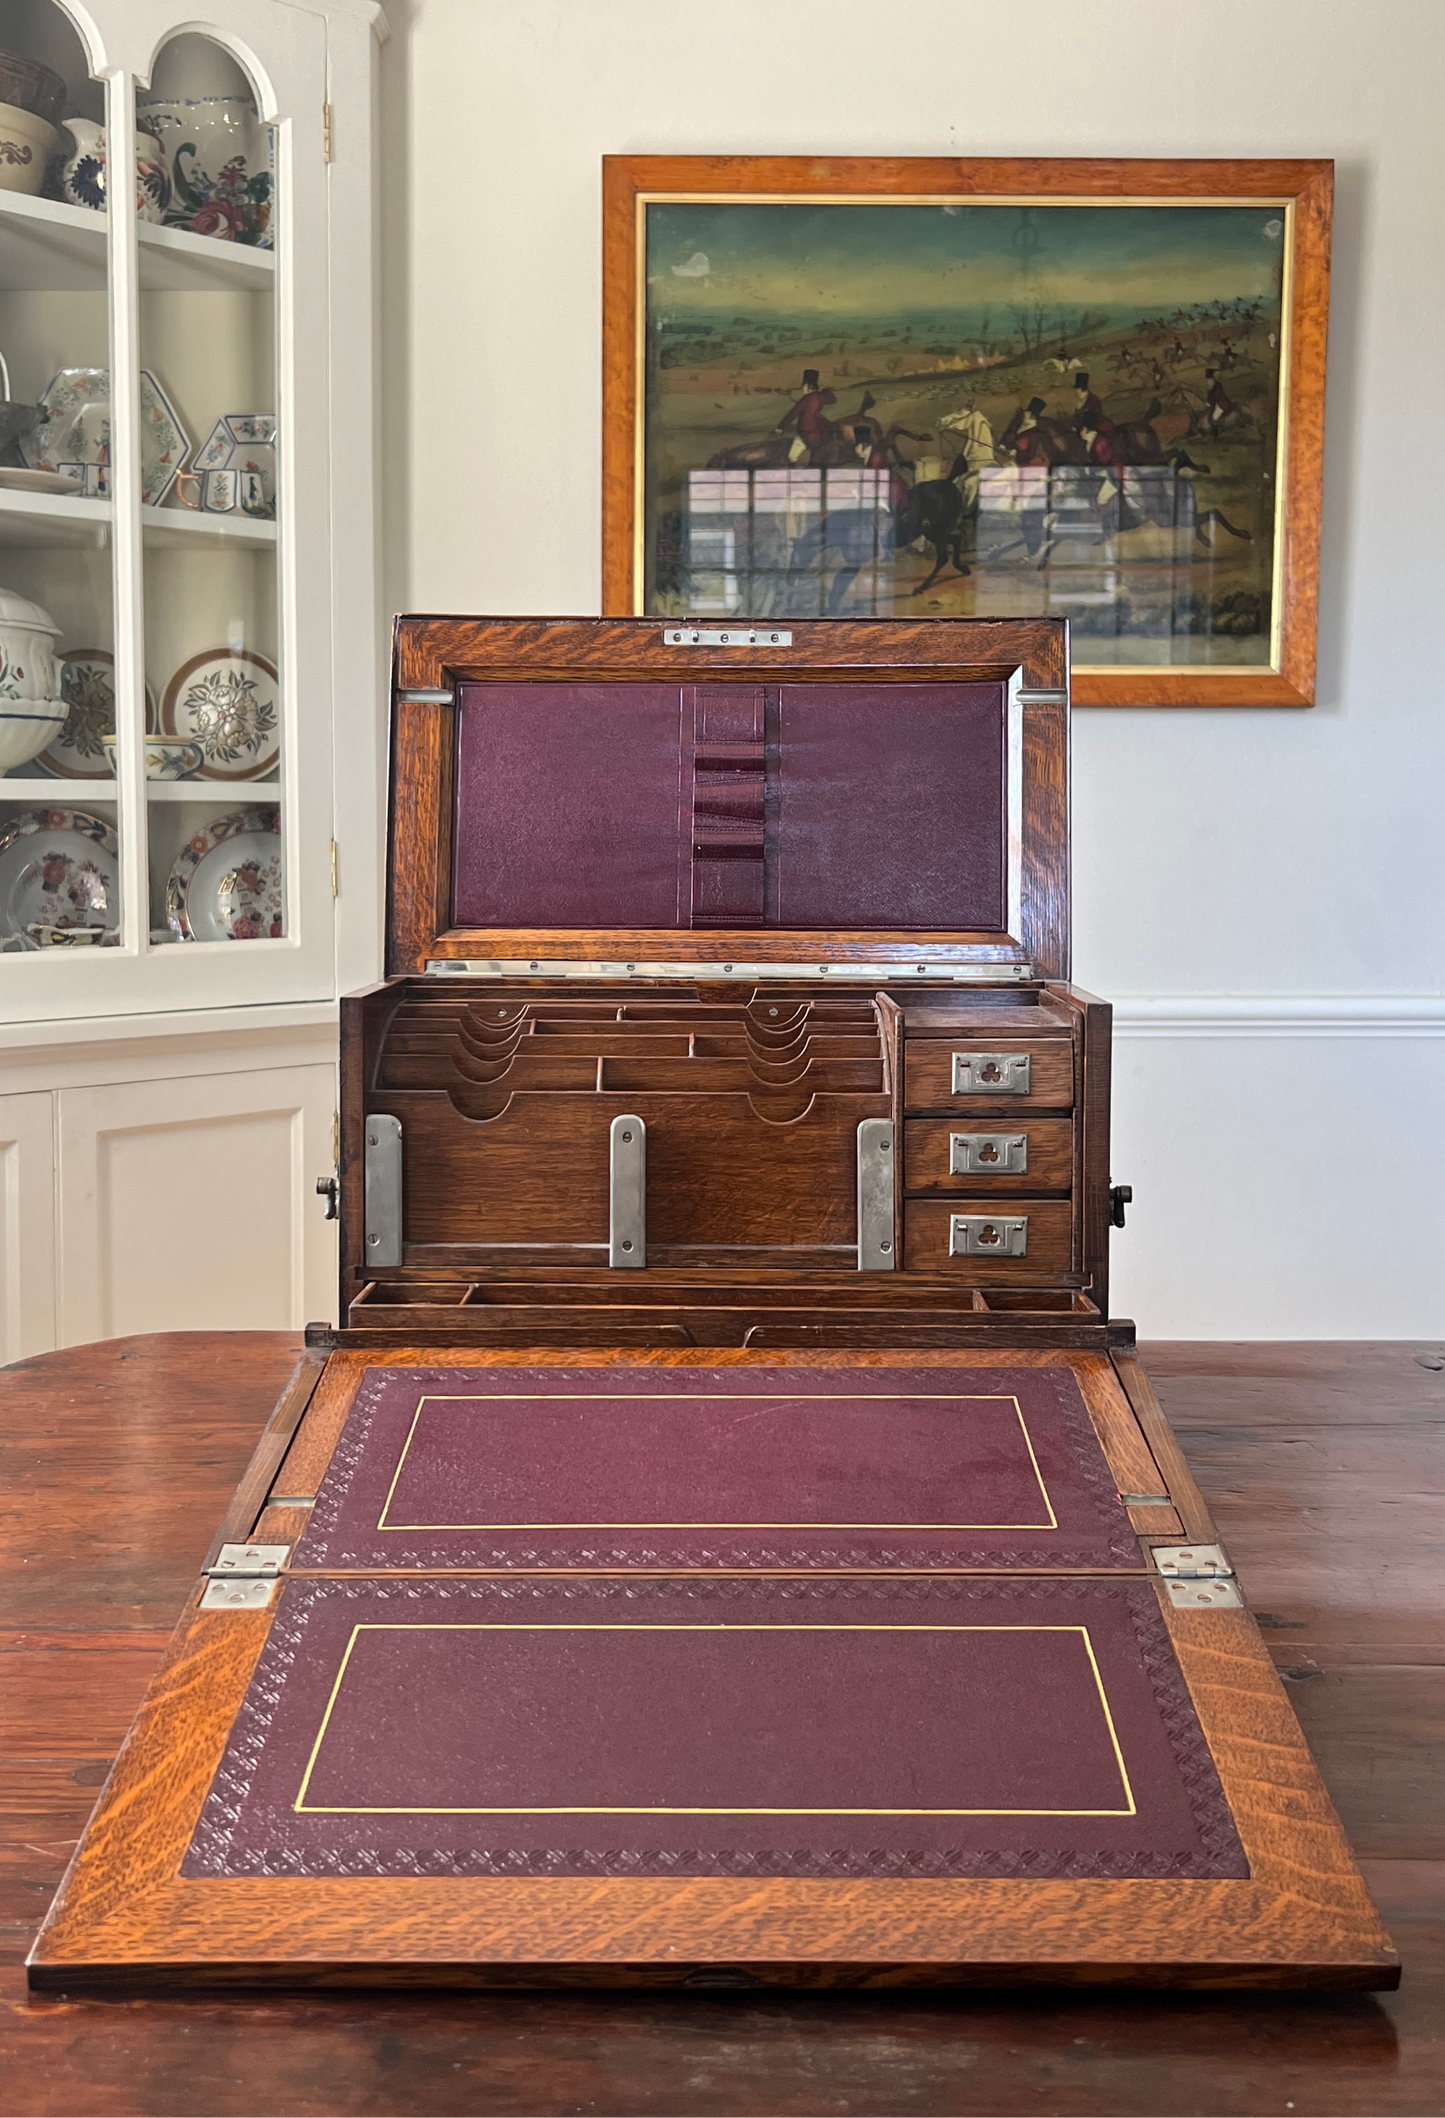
point(1254, 646)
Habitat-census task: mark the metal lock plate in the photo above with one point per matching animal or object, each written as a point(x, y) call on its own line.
point(990, 1073)
point(988, 1235)
point(252, 1595)
point(988, 1154)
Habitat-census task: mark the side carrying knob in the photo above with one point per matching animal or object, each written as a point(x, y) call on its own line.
point(329, 1189)
point(1120, 1196)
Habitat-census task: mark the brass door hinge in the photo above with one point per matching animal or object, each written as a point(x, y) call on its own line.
point(335, 885)
point(326, 132)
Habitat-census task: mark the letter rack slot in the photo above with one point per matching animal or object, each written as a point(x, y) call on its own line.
point(991, 1073)
point(988, 1154)
point(988, 1235)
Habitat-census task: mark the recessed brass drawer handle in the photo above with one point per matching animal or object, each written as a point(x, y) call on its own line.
point(988, 1235)
point(988, 1154)
point(991, 1073)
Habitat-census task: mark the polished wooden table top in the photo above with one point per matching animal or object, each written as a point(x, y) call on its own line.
point(1323, 1465)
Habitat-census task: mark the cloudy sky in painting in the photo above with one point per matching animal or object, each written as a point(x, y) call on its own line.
point(709, 259)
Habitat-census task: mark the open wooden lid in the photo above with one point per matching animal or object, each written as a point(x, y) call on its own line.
point(639, 794)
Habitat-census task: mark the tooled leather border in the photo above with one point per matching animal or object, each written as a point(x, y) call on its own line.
point(1116, 1543)
point(212, 1851)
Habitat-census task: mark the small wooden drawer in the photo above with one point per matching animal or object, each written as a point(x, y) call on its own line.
point(972, 1152)
point(984, 1247)
point(977, 1072)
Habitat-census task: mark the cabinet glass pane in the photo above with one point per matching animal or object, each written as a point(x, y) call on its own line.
point(59, 822)
point(208, 505)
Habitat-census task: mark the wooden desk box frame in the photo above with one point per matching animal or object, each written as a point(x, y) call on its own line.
point(125, 1916)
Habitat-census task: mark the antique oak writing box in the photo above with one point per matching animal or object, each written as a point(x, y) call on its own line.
point(725, 1539)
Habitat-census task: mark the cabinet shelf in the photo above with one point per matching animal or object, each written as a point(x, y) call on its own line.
point(54, 521)
point(72, 794)
point(175, 528)
point(49, 247)
point(174, 261)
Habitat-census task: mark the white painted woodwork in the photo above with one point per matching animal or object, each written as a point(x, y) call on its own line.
point(27, 1226)
point(183, 1204)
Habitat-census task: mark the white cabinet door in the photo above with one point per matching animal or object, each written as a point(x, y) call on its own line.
point(27, 1226)
point(190, 1205)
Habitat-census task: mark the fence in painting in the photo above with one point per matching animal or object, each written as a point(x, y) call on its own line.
point(1113, 549)
point(791, 543)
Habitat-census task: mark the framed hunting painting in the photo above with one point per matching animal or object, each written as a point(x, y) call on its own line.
point(1015, 389)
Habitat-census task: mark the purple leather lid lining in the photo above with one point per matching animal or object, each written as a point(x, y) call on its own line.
point(871, 806)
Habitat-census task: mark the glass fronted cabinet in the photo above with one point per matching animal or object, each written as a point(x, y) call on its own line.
point(187, 509)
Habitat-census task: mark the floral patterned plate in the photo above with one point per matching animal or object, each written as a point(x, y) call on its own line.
point(226, 883)
point(87, 684)
point(59, 879)
point(77, 431)
point(242, 441)
point(227, 701)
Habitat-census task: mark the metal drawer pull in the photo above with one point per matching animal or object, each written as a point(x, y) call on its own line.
point(383, 1191)
point(875, 1195)
point(988, 1154)
point(990, 1073)
point(987, 1235)
point(627, 1195)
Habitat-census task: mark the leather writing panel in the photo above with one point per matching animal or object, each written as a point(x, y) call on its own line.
point(869, 806)
point(823, 1727)
point(716, 1468)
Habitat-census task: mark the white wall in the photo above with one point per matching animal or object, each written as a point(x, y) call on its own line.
point(1287, 1157)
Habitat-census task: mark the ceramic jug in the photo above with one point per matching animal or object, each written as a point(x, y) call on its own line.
point(82, 180)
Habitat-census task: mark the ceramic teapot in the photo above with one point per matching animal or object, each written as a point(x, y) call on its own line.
point(31, 707)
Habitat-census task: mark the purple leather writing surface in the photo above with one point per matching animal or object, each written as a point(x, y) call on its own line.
point(891, 806)
point(568, 804)
point(696, 1468)
point(882, 807)
point(819, 1727)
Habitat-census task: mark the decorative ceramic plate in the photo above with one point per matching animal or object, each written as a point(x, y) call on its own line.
point(242, 441)
point(87, 685)
point(227, 700)
point(226, 883)
point(15, 479)
point(59, 879)
point(78, 429)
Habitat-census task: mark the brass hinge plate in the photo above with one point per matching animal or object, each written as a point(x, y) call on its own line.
point(326, 132)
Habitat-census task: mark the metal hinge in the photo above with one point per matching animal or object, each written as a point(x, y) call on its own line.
point(442, 696)
point(1198, 1576)
point(326, 132)
point(335, 887)
point(242, 1576)
point(1042, 698)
